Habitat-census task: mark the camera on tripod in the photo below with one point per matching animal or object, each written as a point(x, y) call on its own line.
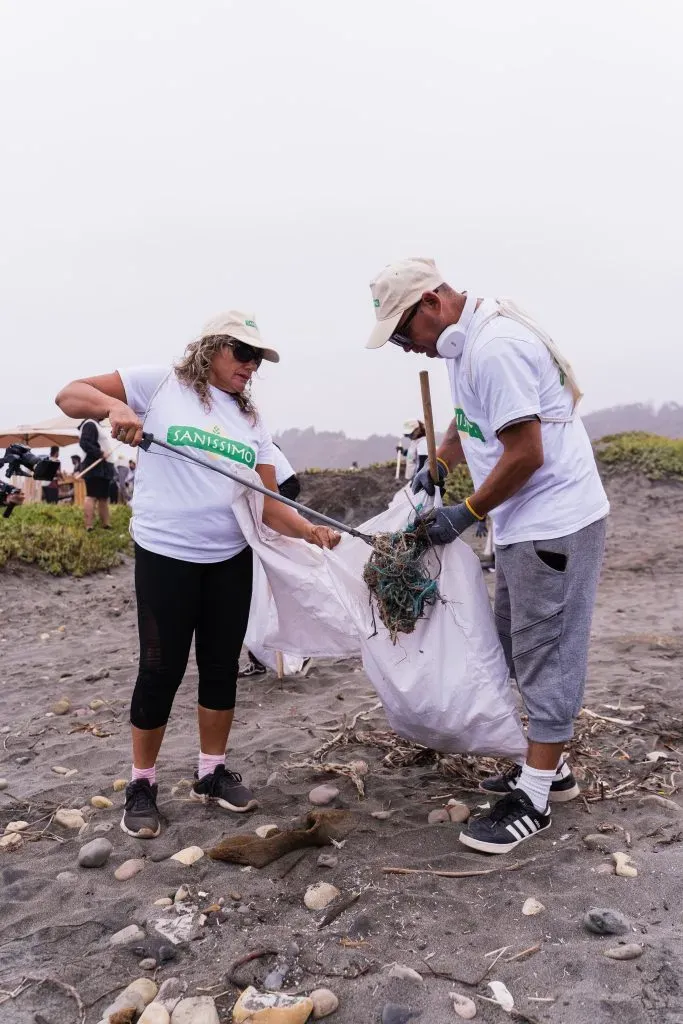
point(17, 458)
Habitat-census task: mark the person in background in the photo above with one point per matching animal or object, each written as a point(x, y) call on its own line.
point(193, 565)
point(75, 464)
point(534, 473)
point(96, 444)
point(51, 487)
point(416, 454)
point(120, 475)
point(130, 480)
point(289, 487)
point(354, 466)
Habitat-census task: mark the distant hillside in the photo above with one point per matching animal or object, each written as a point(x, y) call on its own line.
point(667, 421)
point(312, 449)
point(309, 449)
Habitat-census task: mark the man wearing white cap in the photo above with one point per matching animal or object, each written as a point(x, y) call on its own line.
point(514, 396)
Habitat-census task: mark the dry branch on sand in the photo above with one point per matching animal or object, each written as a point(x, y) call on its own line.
point(597, 752)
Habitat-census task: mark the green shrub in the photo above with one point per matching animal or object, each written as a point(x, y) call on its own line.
point(458, 485)
point(656, 457)
point(53, 537)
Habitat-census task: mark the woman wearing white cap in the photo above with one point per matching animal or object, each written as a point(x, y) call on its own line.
point(193, 568)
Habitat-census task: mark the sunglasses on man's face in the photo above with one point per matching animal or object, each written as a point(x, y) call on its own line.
point(399, 336)
point(244, 353)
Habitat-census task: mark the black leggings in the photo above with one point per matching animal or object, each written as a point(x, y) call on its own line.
point(177, 600)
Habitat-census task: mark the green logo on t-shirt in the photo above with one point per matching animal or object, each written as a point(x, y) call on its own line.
point(193, 437)
point(466, 426)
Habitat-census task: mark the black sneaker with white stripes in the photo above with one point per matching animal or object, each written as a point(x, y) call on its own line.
point(564, 786)
point(512, 820)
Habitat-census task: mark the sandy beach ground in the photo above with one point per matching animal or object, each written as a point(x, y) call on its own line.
point(76, 639)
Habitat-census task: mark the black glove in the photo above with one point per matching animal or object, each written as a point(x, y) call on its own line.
point(422, 481)
point(482, 528)
point(446, 524)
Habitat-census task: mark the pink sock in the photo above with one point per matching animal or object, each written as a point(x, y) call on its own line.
point(209, 762)
point(145, 773)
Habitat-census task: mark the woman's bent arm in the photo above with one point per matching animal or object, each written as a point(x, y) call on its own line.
point(99, 398)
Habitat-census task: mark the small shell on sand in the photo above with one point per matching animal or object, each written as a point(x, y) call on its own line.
point(101, 803)
point(624, 866)
point(190, 855)
point(119, 785)
point(439, 816)
point(405, 973)
point(502, 995)
point(629, 951)
point(61, 707)
point(163, 901)
point(532, 906)
point(96, 704)
point(463, 1006)
point(318, 896)
point(263, 831)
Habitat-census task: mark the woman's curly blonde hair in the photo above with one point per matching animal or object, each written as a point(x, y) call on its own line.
point(194, 368)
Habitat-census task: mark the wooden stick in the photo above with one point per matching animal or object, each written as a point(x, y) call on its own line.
point(457, 874)
point(429, 425)
point(79, 476)
point(398, 463)
point(279, 664)
point(605, 718)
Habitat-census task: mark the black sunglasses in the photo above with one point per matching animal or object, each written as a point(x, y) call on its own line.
point(399, 337)
point(244, 353)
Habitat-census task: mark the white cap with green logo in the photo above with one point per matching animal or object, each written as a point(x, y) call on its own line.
point(395, 289)
point(242, 327)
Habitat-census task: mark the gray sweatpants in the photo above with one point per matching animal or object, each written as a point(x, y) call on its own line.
point(545, 594)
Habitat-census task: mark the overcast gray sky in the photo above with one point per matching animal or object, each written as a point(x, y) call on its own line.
point(164, 160)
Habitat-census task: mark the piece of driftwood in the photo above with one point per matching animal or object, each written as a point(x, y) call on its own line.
point(320, 829)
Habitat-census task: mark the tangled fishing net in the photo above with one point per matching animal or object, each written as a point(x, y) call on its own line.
point(398, 579)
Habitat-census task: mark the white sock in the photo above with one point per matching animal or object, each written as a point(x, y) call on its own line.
point(208, 763)
point(561, 772)
point(536, 784)
point(144, 773)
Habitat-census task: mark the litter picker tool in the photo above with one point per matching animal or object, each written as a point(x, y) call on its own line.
point(149, 439)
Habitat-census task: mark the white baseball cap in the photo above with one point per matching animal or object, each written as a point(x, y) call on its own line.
point(395, 289)
point(242, 327)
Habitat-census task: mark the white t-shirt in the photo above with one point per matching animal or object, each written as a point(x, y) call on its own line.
point(504, 373)
point(283, 468)
point(181, 510)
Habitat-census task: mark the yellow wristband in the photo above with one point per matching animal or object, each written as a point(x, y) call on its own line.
point(443, 463)
point(475, 514)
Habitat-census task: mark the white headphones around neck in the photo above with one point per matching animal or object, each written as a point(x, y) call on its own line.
point(452, 341)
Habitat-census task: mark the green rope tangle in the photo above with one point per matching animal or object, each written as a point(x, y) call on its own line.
point(398, 580)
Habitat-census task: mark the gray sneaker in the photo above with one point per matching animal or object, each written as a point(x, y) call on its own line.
point(141, 814)
point(224, 788)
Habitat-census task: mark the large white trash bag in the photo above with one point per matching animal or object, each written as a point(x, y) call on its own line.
point(444, 685)
point(263, 622)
